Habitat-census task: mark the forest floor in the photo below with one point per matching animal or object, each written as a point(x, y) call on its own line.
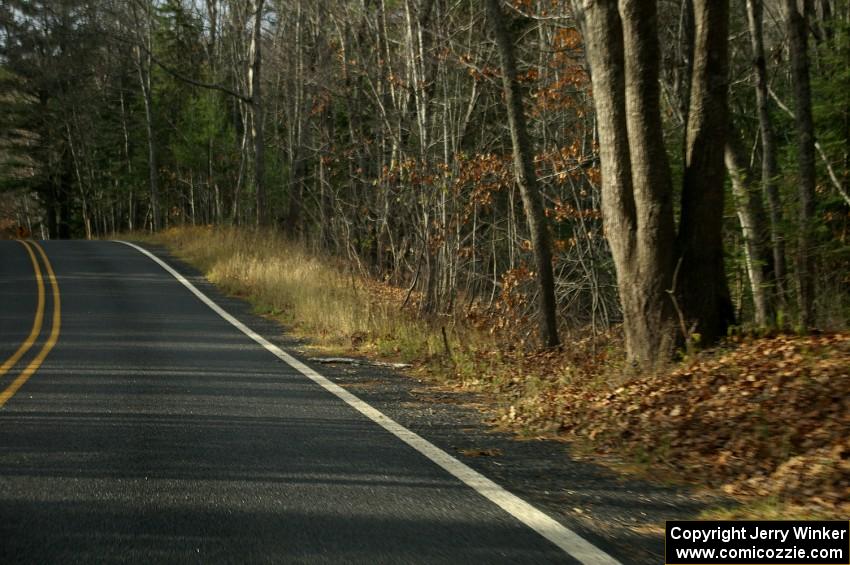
point(763, 421)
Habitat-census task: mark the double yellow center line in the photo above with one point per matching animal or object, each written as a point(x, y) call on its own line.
point(38, 321)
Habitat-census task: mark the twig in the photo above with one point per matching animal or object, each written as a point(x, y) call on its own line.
point(415, 280)
point(689, 346)
point(210, 86)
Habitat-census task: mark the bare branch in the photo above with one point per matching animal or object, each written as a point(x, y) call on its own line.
point(193, 82)
point(832, 176)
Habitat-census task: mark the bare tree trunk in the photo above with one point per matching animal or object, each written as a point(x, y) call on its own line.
point(257, 117)
point(751, 216)
point(129, 162)
point(797, 34)
point(769, 166)
point(637, 213)
point(212, 19)
point(703, 286)
point(153, 167)
point(143, 60)
point(299, 134)
point(244, 112)
point(652, 183)
point(527, 179)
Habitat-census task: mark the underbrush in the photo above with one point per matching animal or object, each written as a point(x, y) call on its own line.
point(763, 419)
point(319, 297)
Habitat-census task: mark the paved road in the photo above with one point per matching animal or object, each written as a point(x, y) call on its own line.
point(155, 431)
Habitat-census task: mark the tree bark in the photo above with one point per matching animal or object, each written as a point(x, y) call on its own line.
point(144, 72)
point(257, 117)
point(683, 82)
point(703, 286)
point(751, 216)
point(797, 35)
point(769, 165)
point(299, 136)
point(638, 225)
point(526, 178)
point(652, 182)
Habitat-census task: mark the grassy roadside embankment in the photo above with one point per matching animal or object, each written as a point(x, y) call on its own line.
point(764, 420)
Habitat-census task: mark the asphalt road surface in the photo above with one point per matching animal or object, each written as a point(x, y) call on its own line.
point(138, 425)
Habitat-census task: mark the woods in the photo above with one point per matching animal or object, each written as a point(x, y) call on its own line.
point(678, 167)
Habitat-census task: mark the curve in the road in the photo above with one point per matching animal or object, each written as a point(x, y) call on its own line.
point(569, 541)
point(50, 343)
point(37, 319)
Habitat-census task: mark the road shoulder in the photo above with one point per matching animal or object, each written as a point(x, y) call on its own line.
point(621, 516)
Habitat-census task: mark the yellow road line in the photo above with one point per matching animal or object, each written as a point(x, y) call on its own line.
point(51, 340)
point(39, 316)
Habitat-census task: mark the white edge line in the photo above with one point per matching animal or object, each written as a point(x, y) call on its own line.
point(554, 531)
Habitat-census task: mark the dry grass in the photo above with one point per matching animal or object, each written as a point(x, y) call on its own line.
point(313, 295)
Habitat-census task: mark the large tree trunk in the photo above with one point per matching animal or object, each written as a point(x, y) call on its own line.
point(751, 216)
point(797, 35)
point(769, 165)
point(652, 182)
point(703, 286)
point(527, 179)
point(638, 225)
point(257, 117)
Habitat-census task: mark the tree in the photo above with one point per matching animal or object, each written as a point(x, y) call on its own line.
point(798, 48)
point(704, 290)
point(769, 164)
point(257, 111)
point(526, 178)
point(751, 216)
point(143, 25)
point(637, 208)
point(623, 53)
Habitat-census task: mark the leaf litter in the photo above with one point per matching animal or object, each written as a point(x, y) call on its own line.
point(758, 417)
